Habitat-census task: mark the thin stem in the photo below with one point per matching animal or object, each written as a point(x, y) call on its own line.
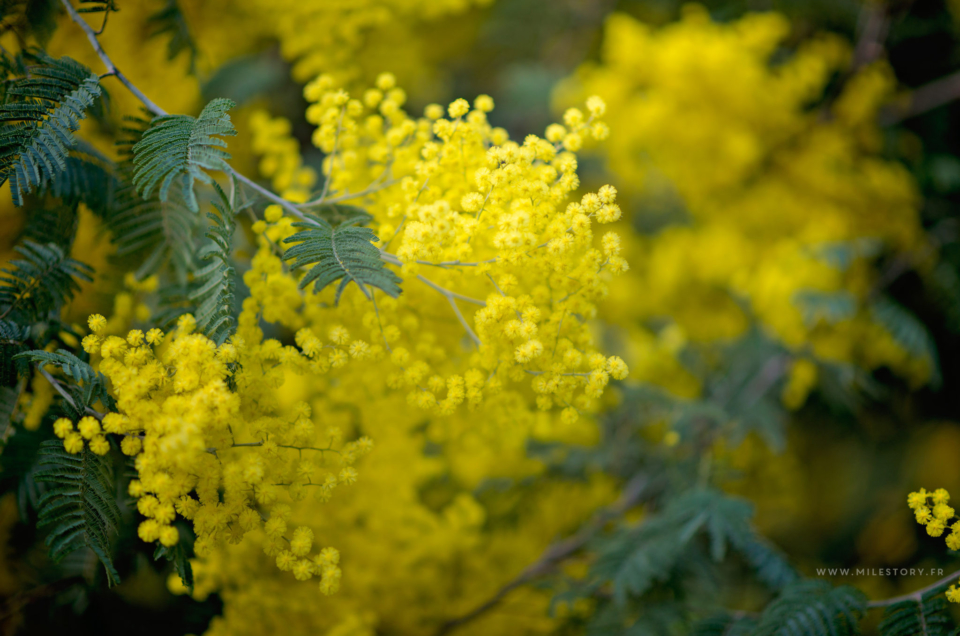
point(95, 43)
point(333, 155)
point(917, 595)
point(66, 396)
point(633, 493)
point(451, 294)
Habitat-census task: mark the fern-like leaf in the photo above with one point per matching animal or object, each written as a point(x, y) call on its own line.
point(81, 506)
point(170, 20)
point(813, 608)
point(39, 283)
point(928, 617)
point(344, 253)
point(90, 385)
point(8, 403)
point(89, 178)
point(724, 625)
point(178, 148)
point(38, 121)
point(179, 555)
point(159, 233)
point(909, 332)
point(213, 289)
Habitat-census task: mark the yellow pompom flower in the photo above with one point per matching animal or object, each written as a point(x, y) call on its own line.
point(62, 427)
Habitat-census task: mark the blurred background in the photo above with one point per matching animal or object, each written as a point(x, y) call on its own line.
point(790, 180)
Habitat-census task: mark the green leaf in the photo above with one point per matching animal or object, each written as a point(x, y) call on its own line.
point(179, 555)
point(39, 283)
point(89, 178)
point(159, 233)
point(813, 608)
point(38, 120)
point(724, 625)
point(170, 20)
point(90, 385)
point(635, 559)
point(178, 148)
point(345, 254)
point(929, 616)
point(213, 284)
point(909, 332)
point(80, 507)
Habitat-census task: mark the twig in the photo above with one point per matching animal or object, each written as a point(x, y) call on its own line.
point(633, 493)
point(875, 21)
point(917, 595)
point(95, 43)
point(924, 99)
point(66, 396)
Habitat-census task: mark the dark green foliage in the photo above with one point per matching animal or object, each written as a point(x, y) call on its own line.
point(38, 120)
point(908, 331)
point(246, 77)
point(12, 333)
point(813, 608)
point(90, 385)
point(170, 20)
point(829, 307)
point(80, 507)
point(39, 283)
point(89, 178)
point(213, 284)
point(179, 555)
point(929, 617)
point(724, 625)
point(344, 253)
point(637, 558)
point(178, 148)
point(8, 402)
point(158, 233)
point(96, 6)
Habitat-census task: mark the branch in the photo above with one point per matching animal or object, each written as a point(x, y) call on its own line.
point(633, 493)
point(111, 69)
point(924, 99)
point(264, 192)
point(914, 596)
point(66, 396)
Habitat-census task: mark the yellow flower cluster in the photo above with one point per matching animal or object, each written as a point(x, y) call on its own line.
point(752, 197)
point(931, 509)
point(452, 397)
point(489, 217)
point(223, 459)
point(324, 36)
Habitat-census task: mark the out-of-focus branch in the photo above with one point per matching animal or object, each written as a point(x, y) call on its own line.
point(924, 99)
point(874, 27)
point(636, 490)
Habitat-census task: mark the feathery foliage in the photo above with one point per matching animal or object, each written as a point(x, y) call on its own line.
point(930, 617)
point(38, 120)
point(8, 402)
point(178, 148)
point(80, 506)
point(908, 331)
point(213, 288)
point(724, 625)
point(158, 233)
point(88, 177)
point(39, 283)
point(345, 253)
point(170, 20)
point(813, 608)
point(90, 385)
point(179, 555)
point(638, 558)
